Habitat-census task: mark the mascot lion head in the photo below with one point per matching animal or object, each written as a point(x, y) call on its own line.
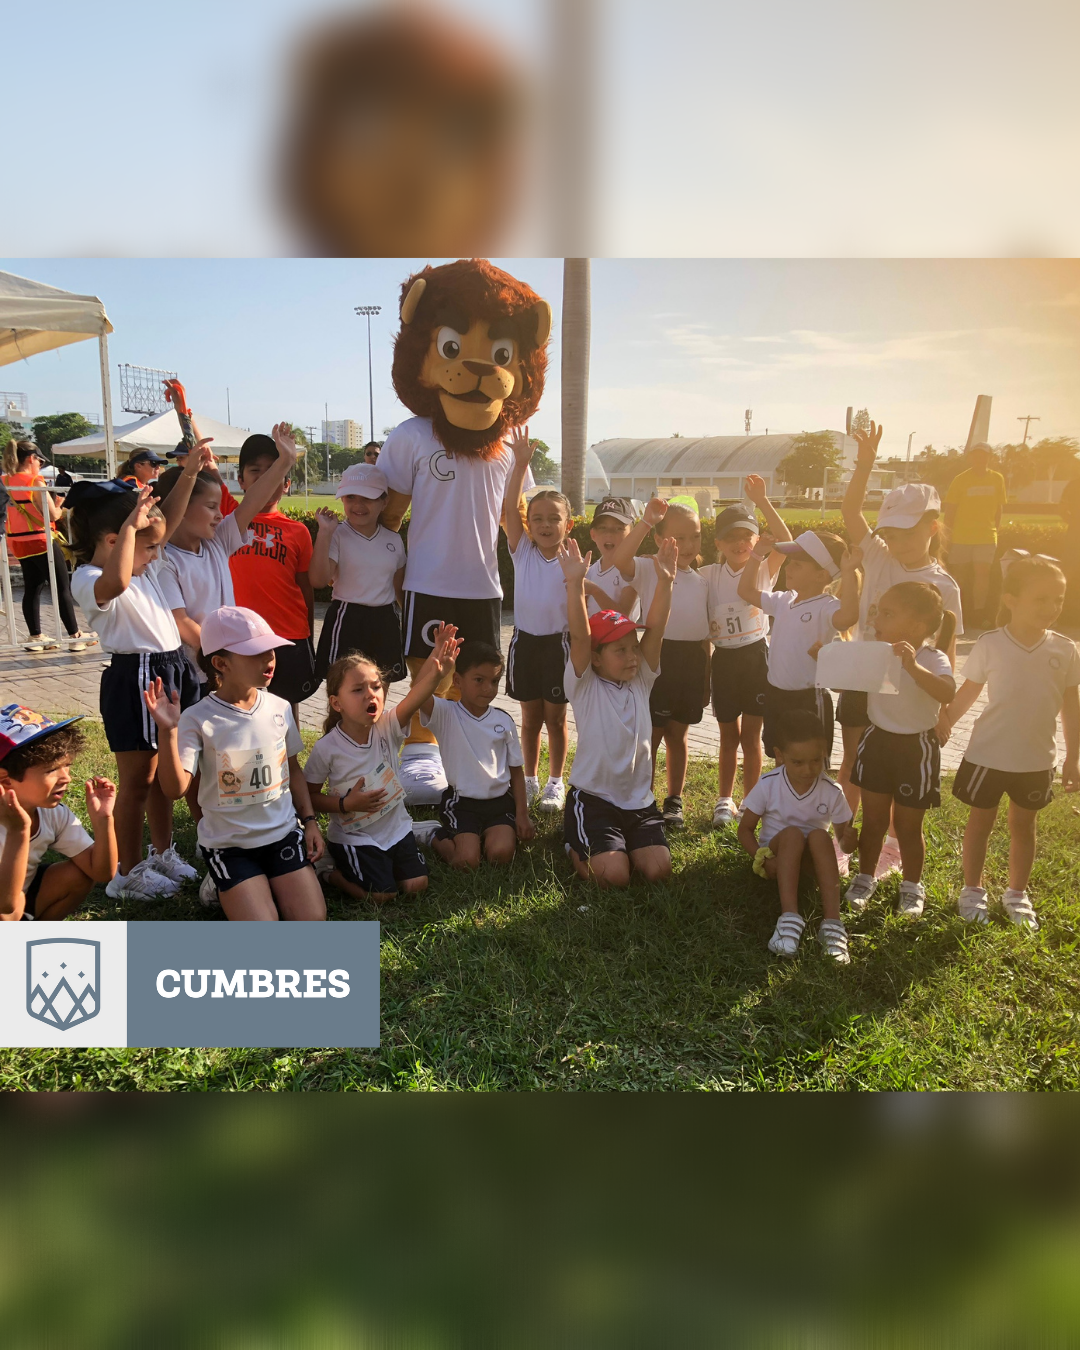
point(471, 353)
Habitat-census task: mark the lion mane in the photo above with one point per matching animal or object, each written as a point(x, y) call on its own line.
point(459, 294)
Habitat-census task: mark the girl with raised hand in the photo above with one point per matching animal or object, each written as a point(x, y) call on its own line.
point(1031, 674)
point(243, 743)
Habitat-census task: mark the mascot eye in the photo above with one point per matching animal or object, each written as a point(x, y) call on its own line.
point(448, 343)
point(502, 351)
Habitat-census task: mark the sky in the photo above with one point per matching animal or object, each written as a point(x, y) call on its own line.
point(677, 345)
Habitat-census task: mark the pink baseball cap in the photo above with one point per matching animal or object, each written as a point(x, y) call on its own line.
point(363, 480)
point(233, 629)
point(609, 625)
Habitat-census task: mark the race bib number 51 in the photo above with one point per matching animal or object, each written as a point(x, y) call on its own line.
point(253, 776)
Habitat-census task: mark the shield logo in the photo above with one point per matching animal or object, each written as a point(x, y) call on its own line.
point(62, 981)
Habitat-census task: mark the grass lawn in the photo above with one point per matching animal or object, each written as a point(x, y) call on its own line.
point(530, 978)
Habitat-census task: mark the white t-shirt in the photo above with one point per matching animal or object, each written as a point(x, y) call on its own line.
point(881, 571)
point(539, 590)
point(911, 709)
point(366, 567)
point(457, 503)
point(1016, 731)
point(689, 618)
point(797, 625)
point(613, 759)
point(58, 828)
point(243, 759)
point(477, 752)
point(611, 582)
point(732, 622)
point(344, 762)
point(201, 582)
point(139, 619)
point(778, 804)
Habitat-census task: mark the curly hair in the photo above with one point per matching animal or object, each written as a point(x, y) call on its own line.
point(458, 294)
point(66, 743)
point(335, 678)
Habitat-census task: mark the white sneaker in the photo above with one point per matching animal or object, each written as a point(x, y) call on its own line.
point(912, 899)
point(786, 935)
point(421, 775)
point(208, 892)
point(141, 883)
point(34, 643)
point(971, 903)
point(553, 798)
point(724, 812)
point(80, 641)
point(888, 859)
point(1020, 910)
point(860, 890)
point(424, 830)
point(532, 790)
point(833, 937)
point(171, 865)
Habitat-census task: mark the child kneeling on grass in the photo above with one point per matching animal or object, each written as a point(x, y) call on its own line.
point(484, 802)
point(370, 834)
point(36, 754)
point(611, 822)
point(243, 743)
point(796, 803)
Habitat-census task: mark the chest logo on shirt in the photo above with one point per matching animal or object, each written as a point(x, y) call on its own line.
point(1055, 663)
point(279, 719)
point(822, 809)
point(269, 542)
point(443, 474)
point(498, 728)
point(806, 618)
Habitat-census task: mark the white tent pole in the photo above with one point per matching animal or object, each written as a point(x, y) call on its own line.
point(9, 603)
point(106, 406)
point(51, 559)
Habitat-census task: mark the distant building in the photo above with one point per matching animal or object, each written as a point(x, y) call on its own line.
point(346, 433)
point(15, 411)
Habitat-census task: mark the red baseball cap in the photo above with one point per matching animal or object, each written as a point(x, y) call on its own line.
point(609, 625)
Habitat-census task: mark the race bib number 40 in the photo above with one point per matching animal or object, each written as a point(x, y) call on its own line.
point(247, 778)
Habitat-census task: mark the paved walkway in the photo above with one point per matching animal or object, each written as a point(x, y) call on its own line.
point(67, 682)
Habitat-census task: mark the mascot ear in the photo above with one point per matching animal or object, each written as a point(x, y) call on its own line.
point(542, 310)
point(409, 304)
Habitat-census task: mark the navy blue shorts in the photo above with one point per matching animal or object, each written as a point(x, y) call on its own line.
point(381, 870)
point(739, 678)
point(294, 671)
point(679, 692)
point(230, 866)
point(474, 815)
point(536, 666)
point(977, 786)
point(128, 724)
point(374, 630)
point(904, 766)
point(592, 824)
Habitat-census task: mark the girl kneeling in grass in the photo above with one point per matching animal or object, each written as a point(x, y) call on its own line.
point(796, 803)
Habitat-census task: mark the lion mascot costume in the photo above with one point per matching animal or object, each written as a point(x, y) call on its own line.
point(469, 361)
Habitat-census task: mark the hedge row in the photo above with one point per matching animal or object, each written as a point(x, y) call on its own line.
point(1037, 538)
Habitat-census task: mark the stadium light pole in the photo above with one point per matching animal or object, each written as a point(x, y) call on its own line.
point(365, 312)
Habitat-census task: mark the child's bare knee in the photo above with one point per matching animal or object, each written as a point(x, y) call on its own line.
point(500, 854)
point(413, 885)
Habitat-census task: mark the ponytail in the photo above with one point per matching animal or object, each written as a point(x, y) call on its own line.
point(11, 457)
point(946, 632)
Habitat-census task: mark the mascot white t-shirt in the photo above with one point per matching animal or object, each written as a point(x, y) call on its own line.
point(456, 507)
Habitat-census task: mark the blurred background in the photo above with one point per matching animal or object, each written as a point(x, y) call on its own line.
point(541, 127)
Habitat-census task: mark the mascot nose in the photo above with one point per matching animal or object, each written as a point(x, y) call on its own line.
point(480, 368)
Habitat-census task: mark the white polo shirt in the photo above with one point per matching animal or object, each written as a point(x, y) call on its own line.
point(139, 619)
point(457, 503)
point(611, 581)
point(341, 760)
point(613, 758)
point(778, 804)
point(366, 567)
point(797, 625)
point(201, 582)
point(881, 571)
point(689, 618)
point(1017, 730)
point(58, 828)
point(911, 709)
point(477, 752)
point(243, 759)
point(539, 590)
point(732, 622)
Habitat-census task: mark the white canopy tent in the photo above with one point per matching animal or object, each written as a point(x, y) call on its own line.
point(159, 433)
point(38, 318)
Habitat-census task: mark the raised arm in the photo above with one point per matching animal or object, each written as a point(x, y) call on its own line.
point(847, 616)
point(754, 488)
point(623, 557)
point(574, 567)
point(257, 498)
point(116, 574)
point(749, 589)
point(176, 503)
point(165, 710)
point(657, 617)
point(322, 571)
point(851, 507)
point(421, 696)
point(515, 483)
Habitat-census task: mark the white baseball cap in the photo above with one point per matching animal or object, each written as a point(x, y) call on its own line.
point(363, 480)
point(233, 629)
point(906, 505)
point(809, 543)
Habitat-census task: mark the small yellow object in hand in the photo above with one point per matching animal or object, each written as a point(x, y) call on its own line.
point(759, 860)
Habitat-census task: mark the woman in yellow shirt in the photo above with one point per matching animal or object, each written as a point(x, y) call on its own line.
point(973, 505)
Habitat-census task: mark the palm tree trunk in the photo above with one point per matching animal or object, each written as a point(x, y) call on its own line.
point(576, 322)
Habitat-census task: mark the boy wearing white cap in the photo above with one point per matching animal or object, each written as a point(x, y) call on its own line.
point(243, 742)
point(365, 563)
point(901, 548)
